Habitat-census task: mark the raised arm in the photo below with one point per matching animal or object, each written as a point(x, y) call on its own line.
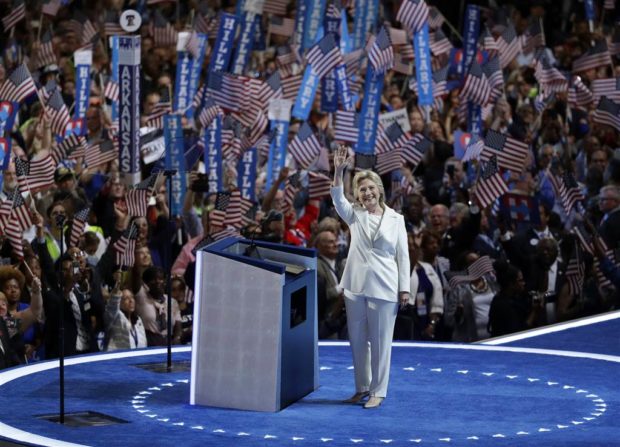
point(341, 160)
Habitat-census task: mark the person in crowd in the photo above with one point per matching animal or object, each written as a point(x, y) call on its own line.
point(8, 356)
point(123, 327)
point(151, 306)
point(468, 304)
point(184, 296)
point(375, 279)
point(330, 296)
point(510, 310)
point(609, 204)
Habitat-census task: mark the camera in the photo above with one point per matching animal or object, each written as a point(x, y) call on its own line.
point(201, 184)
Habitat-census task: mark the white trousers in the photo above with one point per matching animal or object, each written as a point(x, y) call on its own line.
point(371, 327)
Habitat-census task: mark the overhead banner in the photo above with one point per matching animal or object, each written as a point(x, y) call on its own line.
point(213, 155)
point(246, 174)
point(83, 61)
point(129, 107)
point(423, 69)
point(279, 117)
point(175, 159)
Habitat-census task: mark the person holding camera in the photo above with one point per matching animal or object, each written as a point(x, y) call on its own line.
point(375, 278)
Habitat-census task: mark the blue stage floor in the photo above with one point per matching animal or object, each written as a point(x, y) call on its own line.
point(554, 394)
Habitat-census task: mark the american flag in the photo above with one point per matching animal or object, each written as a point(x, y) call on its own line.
point(353, 61)
point(595, 57)
point(35, 175)
point(509, 46)
point(607, 112)
point(56, 113)
point(389, 161)
point(80, 219)
point(609, 87)
point(222, 234)
point(137, 198)
point(46, 91)
point(45, 55)
point(578, 94)
point(346, 126)
point(51, 7)
point(439, 43)
point(549, 77)
point(319, 185)
point(111, 90)
point(390, 138)
point(609, 4)
point(99, 153)
point(20, 216)
point(18, 86)
point(575, 273)
point(164, 35)
point(487, 42)
point(587, 244)
point(474, 148)
point(325, 55)
point(477, 88)
point(281, 26)
point(435, 18)
point(236, 207)
point(534, 37)
point(480, 267)
point(291, 86)
point(201, 19)
point(217, 217)
point(264, 91)
point(285, 56)
point(258, 128)
point(413, 14)
point(566, 189)
point(18, 12)
point(290, 191)
point(415, 148)
point(493, 73)
point(381, 54)
point(67, 147)
point(490, 185)
point(89, 32)
point(111, 24)
point(209, 112)
point(275, 7)
point(511, 153)
point(125, 247)
point(227, 90)
point(305, 147)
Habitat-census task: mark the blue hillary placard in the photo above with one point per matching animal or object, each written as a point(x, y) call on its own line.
point(470, 37)
point(245, 43)
point(359, 22)
point(213, 155)
point(589, 5)
point(314, 19)
point(195, 70)
point(371, 15)
point(305, 97)
point(175, 159)
point(370, 112)
point(114, 74)
point(83, 61)
point(423, 70)
point(346, 99)
point(129, 106)
point(222, 50)
point(329, 89)
point(182, 100)
point(300, 23)
point(346, 45)
point(277, 151)
point(246, 174)
point(8, 110)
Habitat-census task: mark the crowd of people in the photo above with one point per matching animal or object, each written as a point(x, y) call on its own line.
point(477, 269)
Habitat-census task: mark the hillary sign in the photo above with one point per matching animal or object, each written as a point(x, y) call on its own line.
point(129, 105)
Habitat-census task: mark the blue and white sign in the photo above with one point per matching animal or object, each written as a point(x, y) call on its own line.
point(129, 106)
point(279, 115)
point(83, 61)
point(423, 69)
point(175, 159)
point(213, 155)
point(369, 115)
point(246, 174)
point(305, 97)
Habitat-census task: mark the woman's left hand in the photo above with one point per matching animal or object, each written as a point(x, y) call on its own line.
point(403, 298)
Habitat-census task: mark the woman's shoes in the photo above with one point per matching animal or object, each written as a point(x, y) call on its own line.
point(357, 397)
point(373, 402)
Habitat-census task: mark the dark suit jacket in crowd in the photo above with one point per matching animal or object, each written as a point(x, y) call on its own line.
point(8, 357)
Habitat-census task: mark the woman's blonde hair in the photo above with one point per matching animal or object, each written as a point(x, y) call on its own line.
point(372, 176)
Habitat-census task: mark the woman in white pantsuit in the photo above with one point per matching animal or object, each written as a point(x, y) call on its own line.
point(375, 278)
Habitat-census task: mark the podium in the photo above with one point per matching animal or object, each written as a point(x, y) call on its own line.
point(255, 340)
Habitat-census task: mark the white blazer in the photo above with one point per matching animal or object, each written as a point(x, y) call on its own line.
point(377, 266)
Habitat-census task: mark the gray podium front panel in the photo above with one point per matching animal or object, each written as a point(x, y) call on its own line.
point(237, 329)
